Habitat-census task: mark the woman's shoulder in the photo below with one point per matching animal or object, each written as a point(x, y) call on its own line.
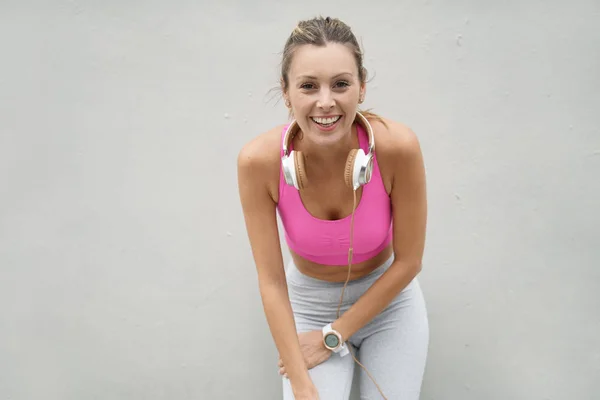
point(393, 138)
point(397, 149)
point(263, 149)
point(259, 158)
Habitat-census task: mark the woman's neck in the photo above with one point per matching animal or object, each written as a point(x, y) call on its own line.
point(329, 156)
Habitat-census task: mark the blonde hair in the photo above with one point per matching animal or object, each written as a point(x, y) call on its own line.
point(318, 32)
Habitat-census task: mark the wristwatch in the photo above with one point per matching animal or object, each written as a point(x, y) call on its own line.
point(333, 341)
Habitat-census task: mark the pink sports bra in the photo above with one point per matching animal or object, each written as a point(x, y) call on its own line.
point(327, 241)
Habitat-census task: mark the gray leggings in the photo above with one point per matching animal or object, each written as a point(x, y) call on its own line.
point(393, 346)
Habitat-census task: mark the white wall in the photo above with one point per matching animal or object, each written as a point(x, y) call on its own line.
point(125, 267)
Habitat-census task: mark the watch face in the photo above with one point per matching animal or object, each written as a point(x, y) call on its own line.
point(332, 340)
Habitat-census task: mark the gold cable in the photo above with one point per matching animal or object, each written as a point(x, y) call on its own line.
point(350, 253)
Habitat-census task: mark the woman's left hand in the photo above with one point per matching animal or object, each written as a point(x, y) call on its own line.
point(313, 350)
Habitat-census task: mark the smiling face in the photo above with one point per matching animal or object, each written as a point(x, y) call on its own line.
point(324, 90)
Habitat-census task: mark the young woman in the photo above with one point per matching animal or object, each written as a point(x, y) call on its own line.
point(349, 187)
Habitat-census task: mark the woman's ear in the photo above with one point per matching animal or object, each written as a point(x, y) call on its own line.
point(284, 93)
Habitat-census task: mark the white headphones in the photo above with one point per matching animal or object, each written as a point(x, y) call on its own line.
point(359, 166)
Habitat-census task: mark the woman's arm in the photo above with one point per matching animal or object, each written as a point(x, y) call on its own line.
point(409, 206)
point(259, 210)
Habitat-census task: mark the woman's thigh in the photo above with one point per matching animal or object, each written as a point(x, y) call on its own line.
point(332, 378)
point(393, 348)
point(314, 304)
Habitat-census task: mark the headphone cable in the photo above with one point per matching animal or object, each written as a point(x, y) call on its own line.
point(350, 253)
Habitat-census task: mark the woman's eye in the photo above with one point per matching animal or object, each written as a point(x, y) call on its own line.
point(310, 86)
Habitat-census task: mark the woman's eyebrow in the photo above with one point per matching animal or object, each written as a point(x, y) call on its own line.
point(315, 78)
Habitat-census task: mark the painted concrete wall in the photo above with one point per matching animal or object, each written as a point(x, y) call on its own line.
point(125, 268)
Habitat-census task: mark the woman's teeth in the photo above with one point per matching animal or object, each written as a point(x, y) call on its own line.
point(326, 121)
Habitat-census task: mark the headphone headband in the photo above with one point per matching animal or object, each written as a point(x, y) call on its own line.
point(359, 116)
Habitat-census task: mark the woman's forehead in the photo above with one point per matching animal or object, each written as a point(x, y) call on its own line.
point(323, 61)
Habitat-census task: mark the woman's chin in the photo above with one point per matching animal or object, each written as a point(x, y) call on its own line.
point(327, 135)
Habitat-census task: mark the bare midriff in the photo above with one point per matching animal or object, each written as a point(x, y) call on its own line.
point(339, 273)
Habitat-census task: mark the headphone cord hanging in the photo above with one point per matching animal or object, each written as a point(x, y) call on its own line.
point(350, 253)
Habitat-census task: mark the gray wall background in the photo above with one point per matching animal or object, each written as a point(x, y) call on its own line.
point(125, 267)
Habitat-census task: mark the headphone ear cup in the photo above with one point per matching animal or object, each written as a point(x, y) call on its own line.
point(300, 170)
point(349, 170)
